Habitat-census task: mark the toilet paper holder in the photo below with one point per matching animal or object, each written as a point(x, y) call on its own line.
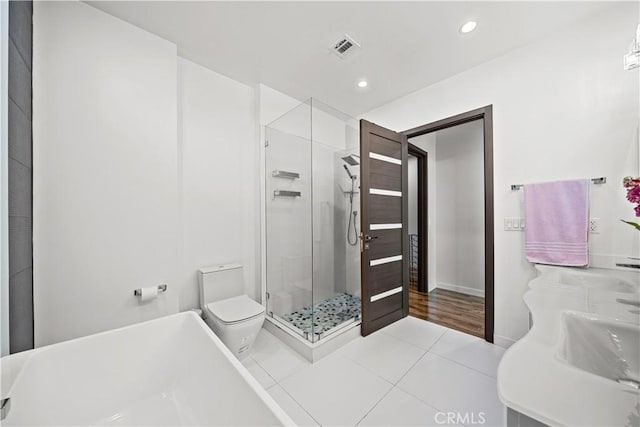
point(161, 288)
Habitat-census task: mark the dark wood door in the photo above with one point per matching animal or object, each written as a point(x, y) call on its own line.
point(385, 246)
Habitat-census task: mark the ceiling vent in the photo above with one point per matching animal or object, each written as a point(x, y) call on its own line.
point(344, 47)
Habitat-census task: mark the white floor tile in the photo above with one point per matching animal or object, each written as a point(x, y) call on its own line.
point(291, 407)
point(383, 354)
point(451, 387)
point(336, 390)
point(275, 357)
point(470, 351)
point(415, 331)
point(258, 372)
point(401, 409)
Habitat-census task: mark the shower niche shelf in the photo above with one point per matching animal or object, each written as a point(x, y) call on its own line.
point(286, 193)
point(285, 174)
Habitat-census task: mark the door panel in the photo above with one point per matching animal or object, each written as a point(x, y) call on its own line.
point(385, 266)
point(386, 306)
point(388, 243)
point(384, 209)
point(387, 182)
point(385, 175)
point(380, 145)
point(385, 277)
point(386, 169)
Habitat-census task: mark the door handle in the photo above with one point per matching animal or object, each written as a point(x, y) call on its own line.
point(368, 238)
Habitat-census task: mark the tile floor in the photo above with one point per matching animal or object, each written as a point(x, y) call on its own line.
point(405, 374)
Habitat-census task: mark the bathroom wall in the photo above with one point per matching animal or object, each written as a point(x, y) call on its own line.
point(460, 209)
point(105, 172)
point(169, 166)
point(563, 108)
point(218, 175)
point(20, 222)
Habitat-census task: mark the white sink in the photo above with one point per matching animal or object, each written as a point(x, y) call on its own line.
point(597, 281)
point(587, 278)
point(604, 347)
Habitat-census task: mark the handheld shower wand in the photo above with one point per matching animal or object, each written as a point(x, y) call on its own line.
point(353, 215)
point(353, 177)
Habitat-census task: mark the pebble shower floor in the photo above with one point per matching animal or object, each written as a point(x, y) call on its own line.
point(320, 317)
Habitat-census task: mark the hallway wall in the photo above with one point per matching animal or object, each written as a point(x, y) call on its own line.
point(460, 209)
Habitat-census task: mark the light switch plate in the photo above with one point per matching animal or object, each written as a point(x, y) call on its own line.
point(513, 224)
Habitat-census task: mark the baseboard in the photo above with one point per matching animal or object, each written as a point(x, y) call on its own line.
point(460, 289)
point(503, 341)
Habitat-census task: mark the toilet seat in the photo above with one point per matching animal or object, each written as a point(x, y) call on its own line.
point(235, 309)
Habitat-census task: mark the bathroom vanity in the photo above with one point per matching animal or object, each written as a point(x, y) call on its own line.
point(579, 363)
point(169, 371)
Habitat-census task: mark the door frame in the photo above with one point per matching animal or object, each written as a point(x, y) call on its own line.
point(423, 205)
point(486, 115)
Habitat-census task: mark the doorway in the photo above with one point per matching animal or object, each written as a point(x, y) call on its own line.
point(450, 222)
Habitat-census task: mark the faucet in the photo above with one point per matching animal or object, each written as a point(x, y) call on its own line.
point(628, 302)
point(5, 405)
point(628, 265)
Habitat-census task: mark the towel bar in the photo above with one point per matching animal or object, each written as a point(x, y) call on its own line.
point(599, 180)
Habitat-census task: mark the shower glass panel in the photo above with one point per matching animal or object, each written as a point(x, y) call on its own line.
point(312, 220)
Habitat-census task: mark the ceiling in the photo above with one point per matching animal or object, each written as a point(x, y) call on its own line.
point(404, 45)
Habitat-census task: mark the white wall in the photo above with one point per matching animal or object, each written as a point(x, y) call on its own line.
point(146, 169)
point(217, 143)
point(105, 171)
point(563, 108)
point(460, 208)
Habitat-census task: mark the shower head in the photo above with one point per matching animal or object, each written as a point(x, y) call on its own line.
point(352, 160)
point(353, 177)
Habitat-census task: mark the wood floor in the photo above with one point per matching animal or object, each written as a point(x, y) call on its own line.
point(458, 311)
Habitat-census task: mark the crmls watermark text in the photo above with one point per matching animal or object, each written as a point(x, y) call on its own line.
point(466, 418)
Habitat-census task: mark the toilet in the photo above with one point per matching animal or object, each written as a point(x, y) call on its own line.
point(234, 317)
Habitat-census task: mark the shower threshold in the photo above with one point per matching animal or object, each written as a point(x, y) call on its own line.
point(318, 337)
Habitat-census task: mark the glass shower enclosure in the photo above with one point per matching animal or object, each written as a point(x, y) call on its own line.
point(312, 201)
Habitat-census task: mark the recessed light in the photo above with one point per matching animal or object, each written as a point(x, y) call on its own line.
point(468, 26)
point(363, 83)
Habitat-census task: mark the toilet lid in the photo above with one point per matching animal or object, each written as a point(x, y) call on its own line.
point(235, 309)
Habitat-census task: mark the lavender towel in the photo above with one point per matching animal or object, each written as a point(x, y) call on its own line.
point(557, 222)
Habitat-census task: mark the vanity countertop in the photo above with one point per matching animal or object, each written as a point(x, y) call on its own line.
point(533, 378)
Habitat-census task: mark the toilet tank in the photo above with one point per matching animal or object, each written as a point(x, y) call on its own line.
point(220, 282)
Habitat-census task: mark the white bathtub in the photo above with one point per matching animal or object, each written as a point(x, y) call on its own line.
point(169, 371)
